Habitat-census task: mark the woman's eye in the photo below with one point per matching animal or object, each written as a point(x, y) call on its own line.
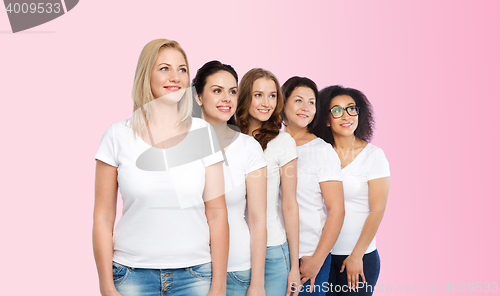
point(337, 110)
point(272, 96)
point(258, 95)
point(311, 103)
point(217, 91)
point(164, 69)
point(183, 70)
point(298, 100)
point(233, 92)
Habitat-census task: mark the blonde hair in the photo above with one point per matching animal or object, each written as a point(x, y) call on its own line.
point(142, 93)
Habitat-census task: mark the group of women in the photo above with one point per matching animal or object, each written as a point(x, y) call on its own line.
point(275, 191)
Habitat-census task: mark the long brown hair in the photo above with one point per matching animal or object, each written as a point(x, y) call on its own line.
point(269, 129)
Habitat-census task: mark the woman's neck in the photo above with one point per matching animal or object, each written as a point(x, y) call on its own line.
point(343, 143)
point(164, 116)
point(300, 134)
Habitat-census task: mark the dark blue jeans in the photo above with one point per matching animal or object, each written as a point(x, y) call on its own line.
point(338, 281)
point(320, 283)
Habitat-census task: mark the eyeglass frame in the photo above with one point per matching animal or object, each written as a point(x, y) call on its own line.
point(344, 110)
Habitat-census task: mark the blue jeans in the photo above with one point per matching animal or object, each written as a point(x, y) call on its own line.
point(193, 280)
point(277, 270)
point(238, 282)
point(320, 283)
point(338, 281)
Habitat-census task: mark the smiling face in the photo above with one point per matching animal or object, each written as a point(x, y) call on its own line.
point(169, 75)
point(300, 107)
point(219, 98)
point(347, 124)
point(264, 99)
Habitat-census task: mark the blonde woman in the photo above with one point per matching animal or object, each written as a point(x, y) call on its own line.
point(173, 234)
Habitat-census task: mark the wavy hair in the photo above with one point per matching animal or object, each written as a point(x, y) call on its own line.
point(142, 93)
point(269, 129)
point(366, 123)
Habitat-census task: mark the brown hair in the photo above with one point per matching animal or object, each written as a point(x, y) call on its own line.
point(269, 129)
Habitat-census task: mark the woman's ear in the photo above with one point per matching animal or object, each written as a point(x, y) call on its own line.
point(198, 100)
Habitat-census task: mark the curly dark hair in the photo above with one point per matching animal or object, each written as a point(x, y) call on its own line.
point(200, 80)
point(291, 84)
point(366, 124)
point(269, 129)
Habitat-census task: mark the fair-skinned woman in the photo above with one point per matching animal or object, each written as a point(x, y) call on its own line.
point(366, 179)
point(319, 186)
point(258, 114)
point(173, 234)
point(216, 86)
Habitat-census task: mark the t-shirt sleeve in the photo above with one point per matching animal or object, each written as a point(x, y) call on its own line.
point(379, 167)
point(329, 165)
point(255, 156)
point(288, 149)
point(216, 155)
point(107, 148)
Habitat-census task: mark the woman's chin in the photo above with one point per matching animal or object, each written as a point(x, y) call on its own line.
point(172, 97)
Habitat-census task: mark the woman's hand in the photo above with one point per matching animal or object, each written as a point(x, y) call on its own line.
point(216, 292)
point(256, 290)
point(293, 282)
point(354, 268)
point(309, 268)
point(112, 293)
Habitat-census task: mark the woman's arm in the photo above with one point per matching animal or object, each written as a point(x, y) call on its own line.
point(290, 210)
point(378, 192)
point(106, 187)
point(256, 185)
point(333, 196)
point(216, 212)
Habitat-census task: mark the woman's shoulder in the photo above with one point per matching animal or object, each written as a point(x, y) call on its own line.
point(373, 152)
point(245, 139)
point(319, 143)
point(283, 137)
point(119, 127)
point(197, 123)
point(372, 149)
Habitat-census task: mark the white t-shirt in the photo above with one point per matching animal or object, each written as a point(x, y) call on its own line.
point(368, 165)
point(243, 156)
point(280, 151)
point(163, 223)
point(317, 163)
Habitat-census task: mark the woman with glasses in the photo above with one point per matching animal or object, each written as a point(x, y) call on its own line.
point(319, 186)
point(345, 120)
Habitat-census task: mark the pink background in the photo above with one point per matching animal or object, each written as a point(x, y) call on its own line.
point(430, 68)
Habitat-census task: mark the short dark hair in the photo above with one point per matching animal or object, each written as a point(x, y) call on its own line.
point(366, 123)
point(291, 84)
point(200, 80)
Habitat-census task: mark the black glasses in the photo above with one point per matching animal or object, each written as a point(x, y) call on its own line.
point(338, 112)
